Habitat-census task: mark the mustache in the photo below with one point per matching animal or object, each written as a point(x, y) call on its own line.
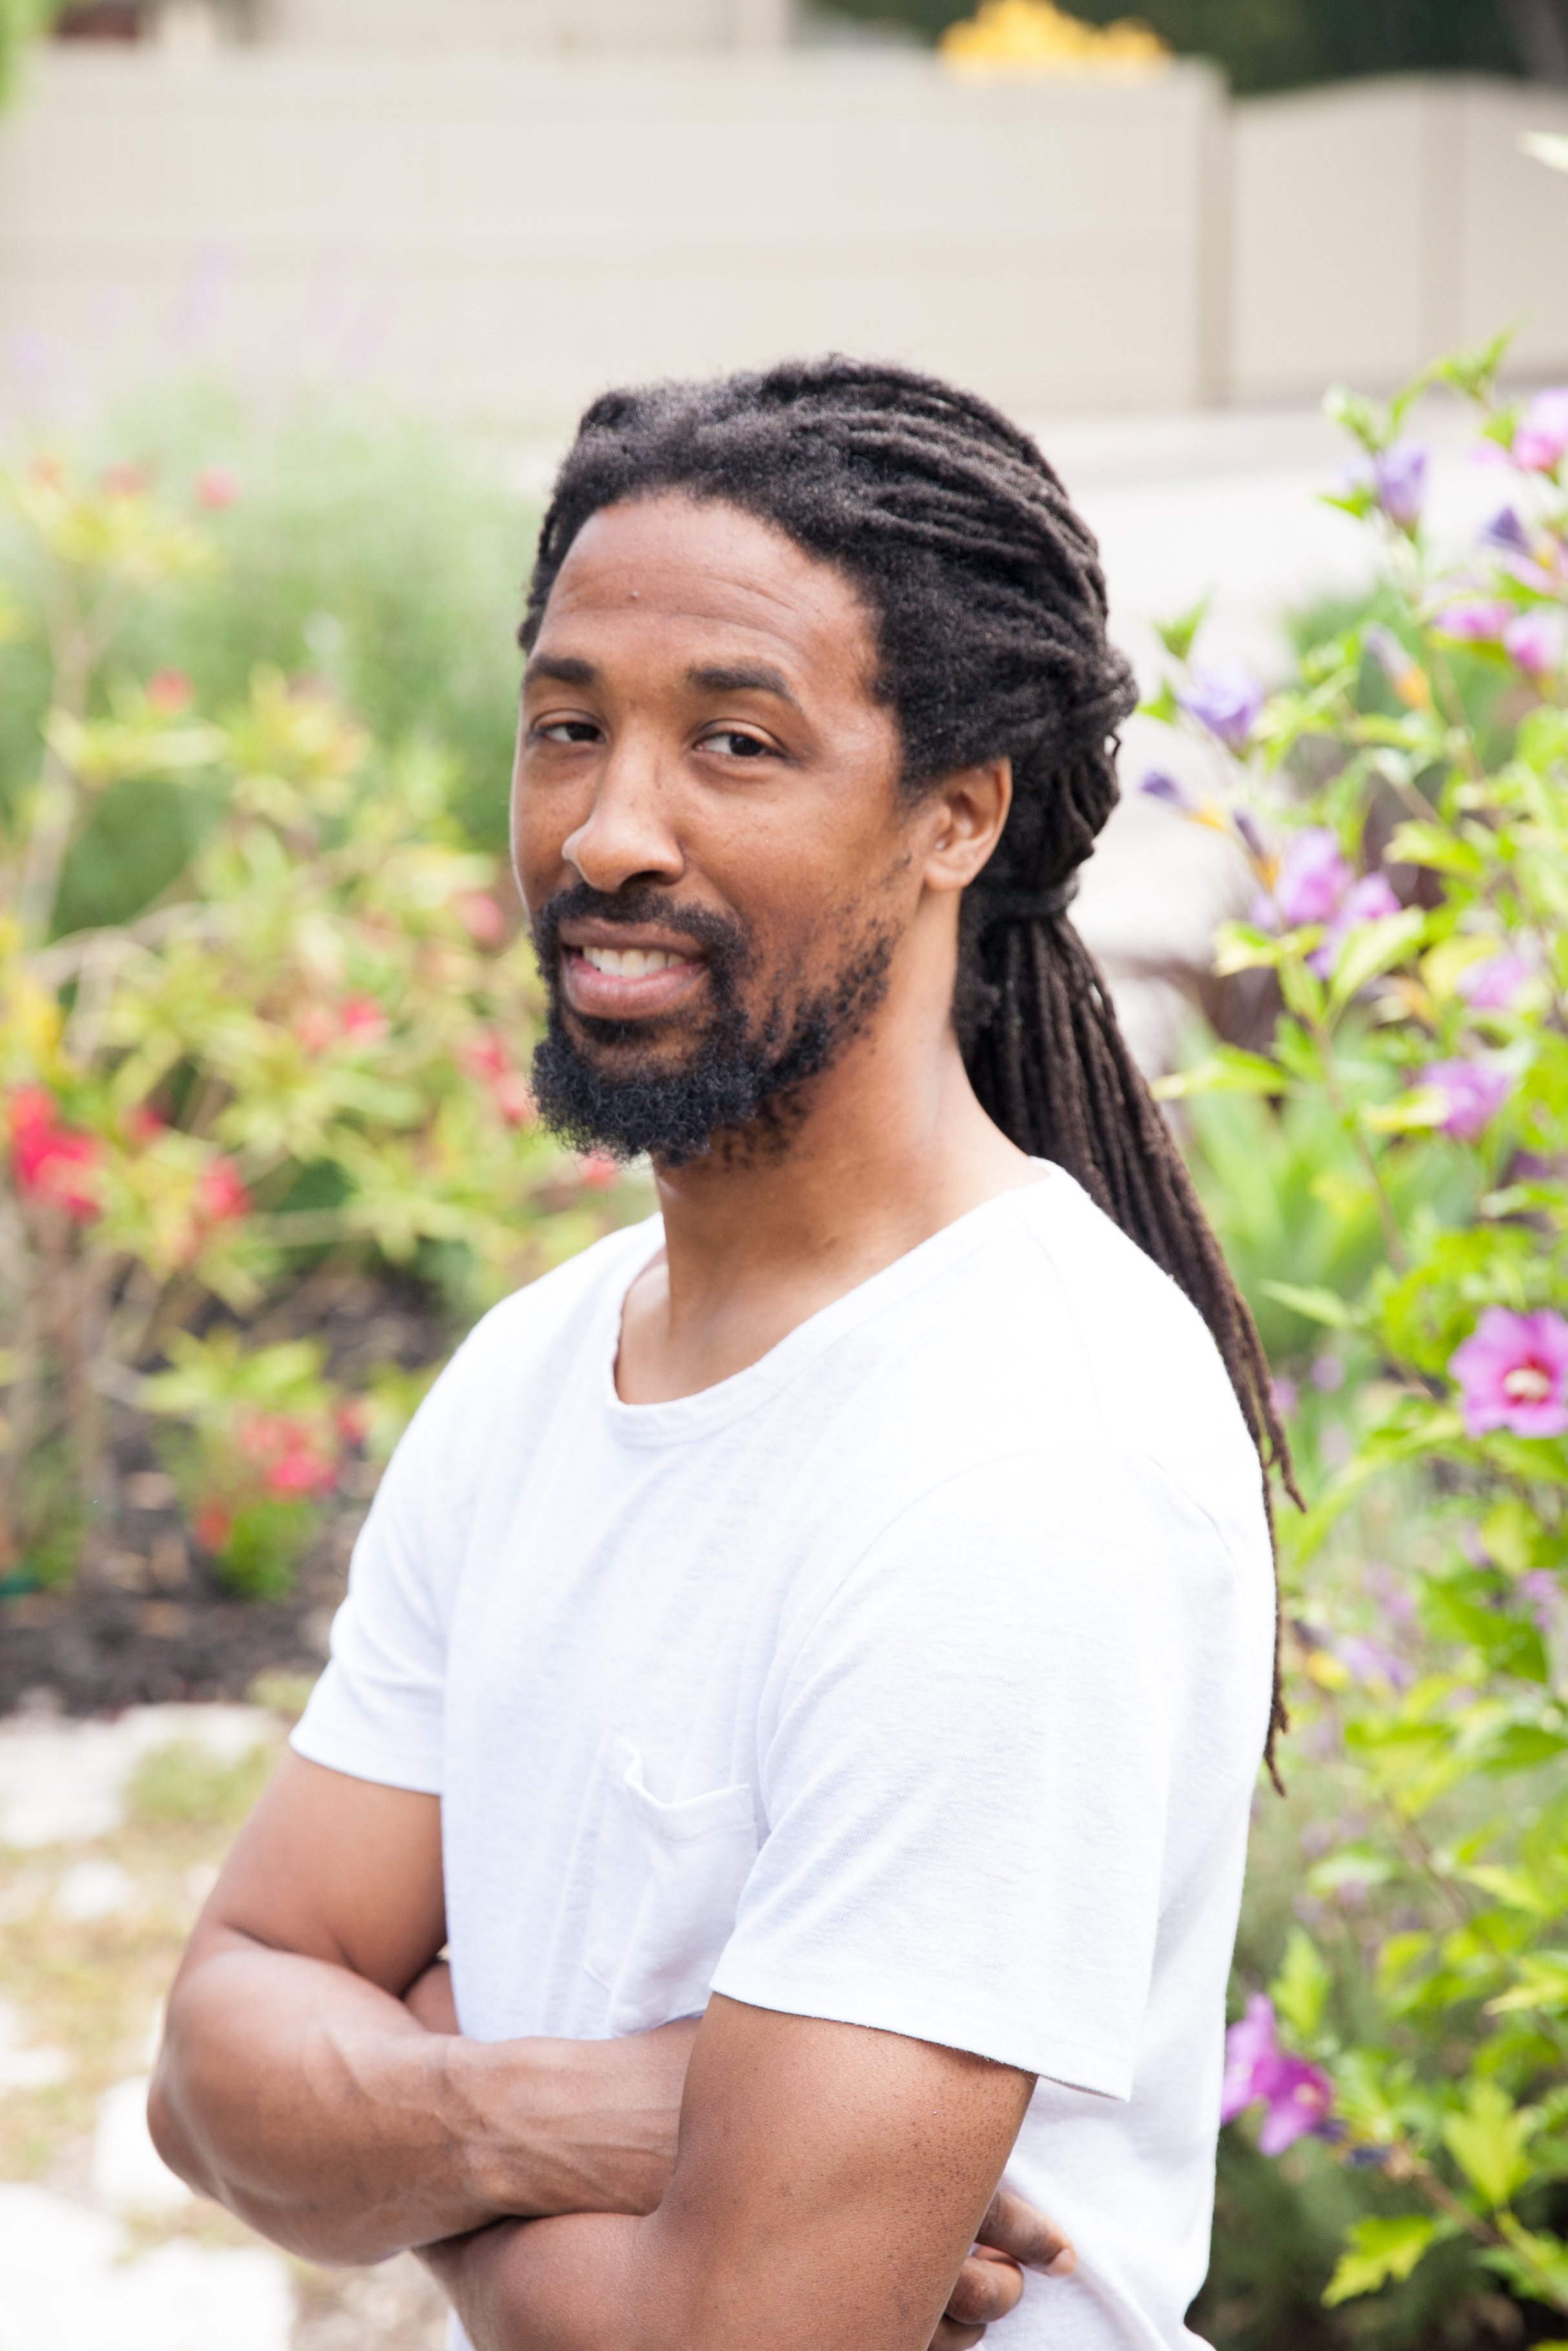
point(720, 937)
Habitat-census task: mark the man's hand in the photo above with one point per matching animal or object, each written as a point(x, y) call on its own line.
point(1013, 2237)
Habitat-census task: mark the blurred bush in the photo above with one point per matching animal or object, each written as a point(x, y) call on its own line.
point(1284, 44)
point(264, 1011)
point(1391, 1179)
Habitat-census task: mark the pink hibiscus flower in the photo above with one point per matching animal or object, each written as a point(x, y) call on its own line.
point(1513, 1373)
point(1298, 2097)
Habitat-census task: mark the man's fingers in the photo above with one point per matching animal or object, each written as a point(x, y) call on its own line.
point(987, 2287)
point(1015, 2229)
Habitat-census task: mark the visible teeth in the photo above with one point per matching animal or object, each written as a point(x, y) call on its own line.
point(630, 963)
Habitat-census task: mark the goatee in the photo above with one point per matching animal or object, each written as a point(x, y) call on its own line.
point(735, 1078)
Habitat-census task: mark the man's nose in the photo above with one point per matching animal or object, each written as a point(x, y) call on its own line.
point(627, 835)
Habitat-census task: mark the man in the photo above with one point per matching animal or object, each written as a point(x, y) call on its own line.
point(841, 1610)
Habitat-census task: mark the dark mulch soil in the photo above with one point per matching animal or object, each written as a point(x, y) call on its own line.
point(153, 1623)
point(95, 1651)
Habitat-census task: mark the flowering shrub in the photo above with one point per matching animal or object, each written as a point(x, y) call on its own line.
point(1403, 805)
point(304, 1055)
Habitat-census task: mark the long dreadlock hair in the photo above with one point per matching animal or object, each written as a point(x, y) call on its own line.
point(989, 603)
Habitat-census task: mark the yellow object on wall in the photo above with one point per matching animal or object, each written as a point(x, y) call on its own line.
point(1004, 37)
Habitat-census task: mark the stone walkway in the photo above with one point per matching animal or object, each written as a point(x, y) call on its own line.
point(111, 1834)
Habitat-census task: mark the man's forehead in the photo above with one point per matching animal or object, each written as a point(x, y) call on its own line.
point(703, 574)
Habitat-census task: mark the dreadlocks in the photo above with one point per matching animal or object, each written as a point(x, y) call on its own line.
point(989, 606)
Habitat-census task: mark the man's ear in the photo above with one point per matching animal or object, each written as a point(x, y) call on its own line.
point(967, 812)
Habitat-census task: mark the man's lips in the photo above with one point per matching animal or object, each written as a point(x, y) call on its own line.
point(627, 975)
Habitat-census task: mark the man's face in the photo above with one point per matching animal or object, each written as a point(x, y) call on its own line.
point(707, 824)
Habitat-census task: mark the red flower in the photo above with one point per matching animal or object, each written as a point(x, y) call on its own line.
point(54, 1162)
point(221, 1196)
point(212, 1524)
point(599, 1171)
point(353, 1420)
point(484, 1056)
point(216, 486)
point(363, 1020)
point(315, 1028)
point(297, 1458)
point(481, 917)
point(514, 1098)
point(124, 481)
point(168, 691)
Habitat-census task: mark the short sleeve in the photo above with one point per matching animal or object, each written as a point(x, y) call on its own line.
point(377, 1712)
point(967, 1761)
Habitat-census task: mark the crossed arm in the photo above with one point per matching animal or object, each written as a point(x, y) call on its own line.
point(824, 2189)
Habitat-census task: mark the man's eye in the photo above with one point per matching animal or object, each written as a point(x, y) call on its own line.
point(569, 730)
point(736, 746)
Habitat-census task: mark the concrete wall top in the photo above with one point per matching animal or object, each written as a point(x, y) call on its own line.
point(503, 27)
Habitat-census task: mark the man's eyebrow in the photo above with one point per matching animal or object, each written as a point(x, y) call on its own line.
point(564, 669)
point(720, 678)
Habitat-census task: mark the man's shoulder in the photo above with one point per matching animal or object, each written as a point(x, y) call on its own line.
point(528, 1337)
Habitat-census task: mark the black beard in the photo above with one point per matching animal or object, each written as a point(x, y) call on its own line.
point(737, 1077)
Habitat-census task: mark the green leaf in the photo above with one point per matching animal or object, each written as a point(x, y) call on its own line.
point(1176, 636)
point(1434, 845)
point(1317, 1305)
point(1300, 1990)
point(1227, 1070)
point(1381, 2250)
point(1353, 1864)
point(1241, 947)
point(1543, 1983)
point(1490, 2143)
point(1372, 948)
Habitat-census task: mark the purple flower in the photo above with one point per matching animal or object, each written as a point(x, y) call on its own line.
point(1299, 2097)
point(1369, 1661)
point(1225, 698)
point(1506, 532)
point(1399, 481)
point(1473, 620)
point(1161, 787)
point(1313, 878)
point(1284, 1396)
point(1252, 840)
point(1473, 1092)
point(1513, 1373)
point(1491, 985)
point(1327, 1374)
point(1543, 1596)
point(1543, 434)
point(1534, 641)
point(1366, 900)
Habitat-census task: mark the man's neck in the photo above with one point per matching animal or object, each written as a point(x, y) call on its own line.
point(883, 1149)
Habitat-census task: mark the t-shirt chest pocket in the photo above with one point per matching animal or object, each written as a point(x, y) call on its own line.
point(666, 1882)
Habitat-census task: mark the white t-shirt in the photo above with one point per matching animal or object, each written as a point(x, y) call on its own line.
point(915, 1677)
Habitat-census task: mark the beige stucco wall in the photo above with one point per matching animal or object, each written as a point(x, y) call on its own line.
point(1377, 225)
point(506, 236)
point(503, 234)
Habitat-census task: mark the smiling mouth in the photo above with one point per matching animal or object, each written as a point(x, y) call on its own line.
point(629, 983)
point(630, 963)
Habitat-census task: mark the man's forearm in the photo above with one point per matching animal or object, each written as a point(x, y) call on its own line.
point(315, 2107)
point(566, 2284)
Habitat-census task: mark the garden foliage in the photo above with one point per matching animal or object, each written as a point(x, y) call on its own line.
point(303, 1054)
point(1392, 1177)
